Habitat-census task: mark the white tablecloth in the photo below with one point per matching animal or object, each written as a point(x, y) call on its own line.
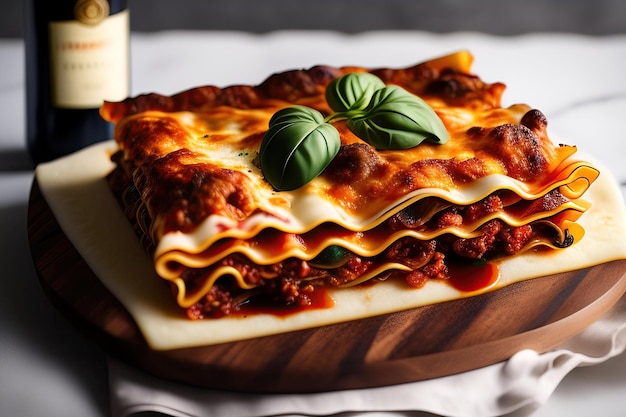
point(47, 368)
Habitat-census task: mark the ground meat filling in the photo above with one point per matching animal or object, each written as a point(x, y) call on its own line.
point(291, 282)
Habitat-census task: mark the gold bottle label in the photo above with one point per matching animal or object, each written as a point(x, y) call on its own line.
point(91, 12)
point(89, 57)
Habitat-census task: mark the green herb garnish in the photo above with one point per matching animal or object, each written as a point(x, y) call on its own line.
point(397, 119)
point(352, 92)
point(297, 147)
point(300, 142)
point(331, 256)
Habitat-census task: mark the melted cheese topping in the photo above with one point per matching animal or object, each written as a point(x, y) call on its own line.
point(229, 139)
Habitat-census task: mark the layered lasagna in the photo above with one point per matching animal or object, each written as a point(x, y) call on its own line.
point(229, 243)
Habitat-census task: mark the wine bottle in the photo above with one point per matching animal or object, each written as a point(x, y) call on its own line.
point(77, 56)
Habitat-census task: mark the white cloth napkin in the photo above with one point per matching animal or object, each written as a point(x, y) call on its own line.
point(514, 388)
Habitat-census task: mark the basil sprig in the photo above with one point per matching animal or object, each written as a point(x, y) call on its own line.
point(300, 142)
point(297, 147)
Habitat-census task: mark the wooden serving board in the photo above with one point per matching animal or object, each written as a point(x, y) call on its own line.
point(413, 345)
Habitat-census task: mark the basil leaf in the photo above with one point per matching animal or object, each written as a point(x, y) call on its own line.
point(332, 256)
point(297, 147)
point(397, 119)
point(352, 91)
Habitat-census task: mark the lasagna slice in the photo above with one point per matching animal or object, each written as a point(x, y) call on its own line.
point(229, 243)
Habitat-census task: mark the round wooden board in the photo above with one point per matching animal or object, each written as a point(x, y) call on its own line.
point(408, 346)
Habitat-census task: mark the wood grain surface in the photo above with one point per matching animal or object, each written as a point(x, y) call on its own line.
point(413, 345)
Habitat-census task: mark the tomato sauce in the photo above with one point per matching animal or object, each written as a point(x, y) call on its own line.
point(465, 277)
point(473, 277)
point(320, 299)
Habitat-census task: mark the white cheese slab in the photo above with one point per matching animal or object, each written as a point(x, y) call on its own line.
point(79, 197)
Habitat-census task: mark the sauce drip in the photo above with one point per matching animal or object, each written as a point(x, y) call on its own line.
point(464, 277)
point(320, 299)
point(468, 277)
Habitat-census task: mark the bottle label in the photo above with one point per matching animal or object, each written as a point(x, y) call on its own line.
point(89, 61)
